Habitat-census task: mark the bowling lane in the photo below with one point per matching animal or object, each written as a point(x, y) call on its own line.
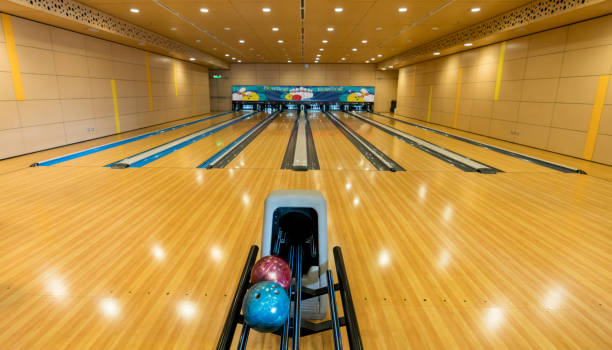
point(267, 149)
point(494, 159)
point(196, 153)
point(117, 153)
point(334, 150)
point(409, 157)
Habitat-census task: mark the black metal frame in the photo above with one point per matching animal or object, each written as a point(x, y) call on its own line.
point(295, 327)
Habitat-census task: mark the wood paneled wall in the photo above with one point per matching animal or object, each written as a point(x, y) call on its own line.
point(547, 90)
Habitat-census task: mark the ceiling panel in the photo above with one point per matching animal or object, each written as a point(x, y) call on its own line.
point(387, 31)
point(377, 21)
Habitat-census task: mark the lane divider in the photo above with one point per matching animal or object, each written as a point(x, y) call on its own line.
point(300, 157)
point(287, 162)
point(307, 150)
point(229, 152)
point(542, 162)
point(462, 162)
point(96, 149)
point(143, 158)
point(378, 159)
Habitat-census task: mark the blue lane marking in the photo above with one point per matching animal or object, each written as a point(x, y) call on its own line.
point(163, 153)
point(238, 140)
point(123, 142)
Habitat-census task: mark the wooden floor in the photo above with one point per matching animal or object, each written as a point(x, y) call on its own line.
point(148, 258)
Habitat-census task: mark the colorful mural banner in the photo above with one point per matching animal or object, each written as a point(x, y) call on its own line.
point(245, 93)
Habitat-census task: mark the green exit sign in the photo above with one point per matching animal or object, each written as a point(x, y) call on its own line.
point(217, 76)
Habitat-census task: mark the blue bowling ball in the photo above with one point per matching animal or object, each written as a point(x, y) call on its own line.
point(265, 306)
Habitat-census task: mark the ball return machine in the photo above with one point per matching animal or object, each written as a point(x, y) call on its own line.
point(295, 229)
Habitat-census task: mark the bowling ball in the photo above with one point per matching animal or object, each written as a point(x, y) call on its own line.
point(265, 307)
point(272, 268)
point(296, 97)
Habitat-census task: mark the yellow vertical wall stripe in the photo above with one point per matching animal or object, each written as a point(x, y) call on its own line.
point(600, 97)
point(500, 68)
point(149, 81)
point(429, 105)
point(115, 108)
point(193, 97)
point(459, 75)
point(175, 82)
point(11, 49)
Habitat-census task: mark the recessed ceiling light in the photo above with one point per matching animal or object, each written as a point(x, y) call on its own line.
point(227, 55)
point(266, 9)
point(330, 29)
point(372, 59)
point(379, 28)
point(383, 68)
point(227, 28)
point(402, 9)
point(338, 9)
point(233, 58)
point(367, 61)
point(280, 41)
point(475, 9)
point(321, 49)
point(364, 41)
point(204, 10)
point(192, 58)
point(379, 55)
point(343, 58)
point(318, 55)
point(198, 40)
point(324, 41)
point(434, 28)
point(241, 41)
point(173, 28)
point(436, 53)
point(390, 66)
point(288, 61)
point(239, 61)
point(467, 44)
point(133, 10)
point(275, 29)
point(354, 49)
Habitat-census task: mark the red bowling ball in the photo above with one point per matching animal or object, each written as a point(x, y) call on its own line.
point(273, 269)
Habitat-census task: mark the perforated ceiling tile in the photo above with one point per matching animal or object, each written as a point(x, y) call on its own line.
point(514, 19)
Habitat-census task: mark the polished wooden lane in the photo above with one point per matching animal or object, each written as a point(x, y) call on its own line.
point(120, 152)
point(409, 157)
point(480, 154)
point(268, 149)
point(592, 168)
point(149, 258)
point(334, 150)
point(196, 153)
point(13, 164)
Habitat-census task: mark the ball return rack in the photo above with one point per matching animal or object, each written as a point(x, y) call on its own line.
point(295, 229)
